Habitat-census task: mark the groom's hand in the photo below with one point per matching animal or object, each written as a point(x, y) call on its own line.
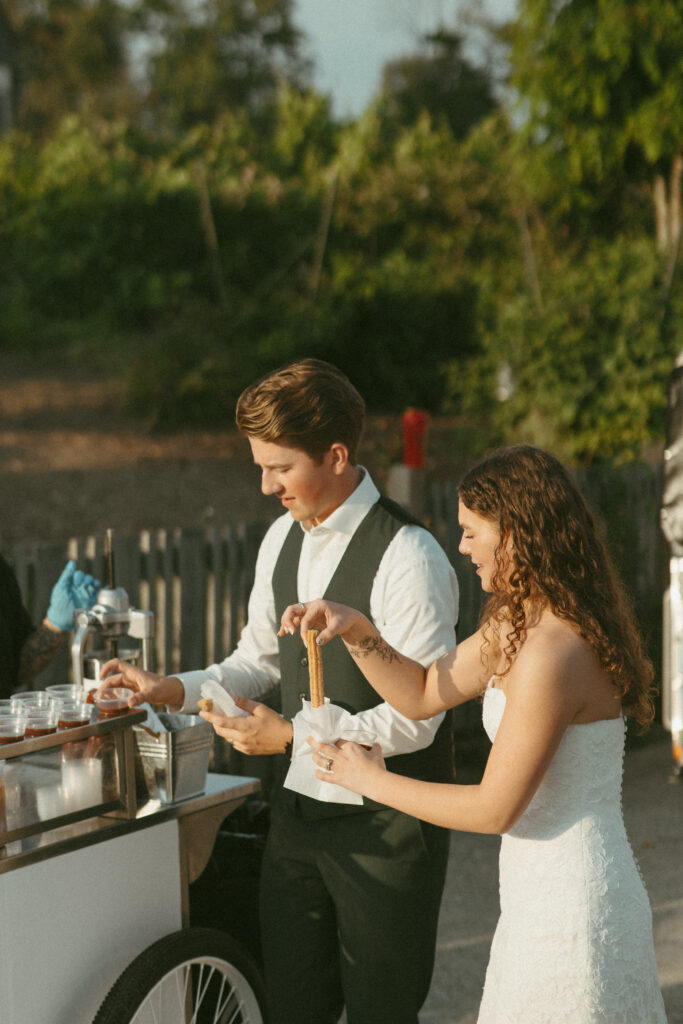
point(261, 731)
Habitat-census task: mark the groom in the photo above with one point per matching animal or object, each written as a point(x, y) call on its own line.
point(349, 894)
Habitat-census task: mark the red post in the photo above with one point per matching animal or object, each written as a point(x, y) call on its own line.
point(414, 427)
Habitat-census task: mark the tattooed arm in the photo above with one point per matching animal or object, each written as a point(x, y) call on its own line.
point(456, 677)
point(38, 650)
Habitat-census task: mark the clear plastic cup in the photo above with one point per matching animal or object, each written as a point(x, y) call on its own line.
point(82, 781)
point(65, 692)
point(12, 726)
point(8, 704)
point(37, 698)
point(112, 701)
point(41, 721)
point(74, 713)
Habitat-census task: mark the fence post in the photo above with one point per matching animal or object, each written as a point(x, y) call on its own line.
point(192, 574)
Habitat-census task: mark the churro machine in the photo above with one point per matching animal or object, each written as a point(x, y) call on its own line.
point(110, 629)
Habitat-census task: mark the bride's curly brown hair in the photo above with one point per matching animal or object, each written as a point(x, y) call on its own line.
point(550, 535)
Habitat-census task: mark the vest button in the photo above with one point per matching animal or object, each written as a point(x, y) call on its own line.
point(304, 661)
point(302, 696)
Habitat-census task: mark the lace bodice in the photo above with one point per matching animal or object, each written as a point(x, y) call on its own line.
point(574, 941)
point(583, 779)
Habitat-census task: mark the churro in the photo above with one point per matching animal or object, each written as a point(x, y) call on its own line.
point(315, 669)
point(205, 705)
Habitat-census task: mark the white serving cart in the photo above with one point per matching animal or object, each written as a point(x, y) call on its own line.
point(94, 889)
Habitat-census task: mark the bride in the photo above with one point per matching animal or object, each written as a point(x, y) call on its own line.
point(559, 662)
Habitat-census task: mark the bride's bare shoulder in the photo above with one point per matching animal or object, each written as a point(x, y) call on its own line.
point(556, 647)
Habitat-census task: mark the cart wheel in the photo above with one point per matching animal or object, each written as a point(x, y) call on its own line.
point(194, 976)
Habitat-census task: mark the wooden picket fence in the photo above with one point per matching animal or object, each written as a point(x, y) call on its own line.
point(197, 581)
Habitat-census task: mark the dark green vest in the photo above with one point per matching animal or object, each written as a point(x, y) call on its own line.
point(345, 684)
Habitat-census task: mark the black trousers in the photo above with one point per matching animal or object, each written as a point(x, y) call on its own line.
point(349, 912)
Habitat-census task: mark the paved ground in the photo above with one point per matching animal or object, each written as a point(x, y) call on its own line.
point(653, 809)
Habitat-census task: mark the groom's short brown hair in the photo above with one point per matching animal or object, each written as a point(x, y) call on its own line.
point(308, 404)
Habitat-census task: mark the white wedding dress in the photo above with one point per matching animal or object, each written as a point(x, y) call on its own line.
point(573, 944)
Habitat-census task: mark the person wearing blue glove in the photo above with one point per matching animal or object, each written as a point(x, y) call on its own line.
point(26, 649)
point(73, 590)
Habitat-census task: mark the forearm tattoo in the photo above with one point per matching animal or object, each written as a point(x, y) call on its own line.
point(38, 650)
point(373, 645)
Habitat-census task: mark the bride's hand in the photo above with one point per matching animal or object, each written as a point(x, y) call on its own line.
point(330, 618)
point(347, 764)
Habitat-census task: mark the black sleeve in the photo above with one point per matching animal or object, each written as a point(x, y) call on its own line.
point(15, 626)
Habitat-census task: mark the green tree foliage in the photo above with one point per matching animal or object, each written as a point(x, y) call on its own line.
point(398, 292)
point(439, 266)
point(601, 89)
point(101, 223)
point(322, 240)
point(71, 58)
point(586, 374)
point(440, 82)
point(95, 227)
point(218, 56)
point(171, 64)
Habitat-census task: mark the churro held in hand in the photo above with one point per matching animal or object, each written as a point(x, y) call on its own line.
point(315, 669)
point(327, 723)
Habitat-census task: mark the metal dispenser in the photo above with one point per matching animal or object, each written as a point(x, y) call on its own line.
point(109, 622)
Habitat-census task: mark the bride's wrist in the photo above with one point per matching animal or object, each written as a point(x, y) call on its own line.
point(357, 630)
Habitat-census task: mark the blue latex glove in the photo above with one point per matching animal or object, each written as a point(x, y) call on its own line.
point(74, 589)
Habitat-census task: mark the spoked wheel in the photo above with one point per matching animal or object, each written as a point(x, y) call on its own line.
point(194, 976)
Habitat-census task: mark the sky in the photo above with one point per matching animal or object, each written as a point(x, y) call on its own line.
point(351, 40)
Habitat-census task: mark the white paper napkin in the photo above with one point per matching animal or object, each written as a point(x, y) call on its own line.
point(222, 701)
point(327, 724)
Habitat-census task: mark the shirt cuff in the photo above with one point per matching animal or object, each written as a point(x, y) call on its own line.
point(192, 684)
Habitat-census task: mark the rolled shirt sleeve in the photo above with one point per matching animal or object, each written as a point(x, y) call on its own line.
point(253, 668)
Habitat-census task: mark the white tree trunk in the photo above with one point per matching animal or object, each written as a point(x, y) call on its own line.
point(668, 207)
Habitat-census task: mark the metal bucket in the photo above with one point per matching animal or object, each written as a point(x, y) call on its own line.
point(172, 765)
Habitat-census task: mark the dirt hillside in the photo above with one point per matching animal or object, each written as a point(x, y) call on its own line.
point(74, 462)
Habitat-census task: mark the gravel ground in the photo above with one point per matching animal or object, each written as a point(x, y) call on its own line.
point(72, 463)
